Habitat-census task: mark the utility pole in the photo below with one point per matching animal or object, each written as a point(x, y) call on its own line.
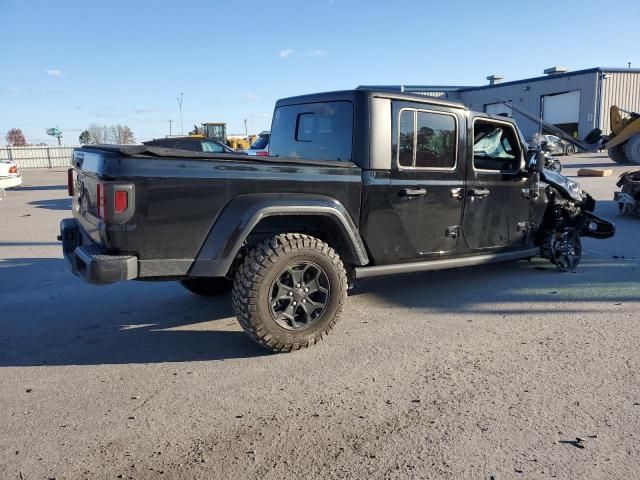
point(246, 132)
point(180, 106)
point(170, 122)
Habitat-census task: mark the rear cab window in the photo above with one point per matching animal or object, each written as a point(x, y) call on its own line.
point(313, 131)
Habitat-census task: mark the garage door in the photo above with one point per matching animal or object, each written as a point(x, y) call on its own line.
point(563, 110)
point(497, 109)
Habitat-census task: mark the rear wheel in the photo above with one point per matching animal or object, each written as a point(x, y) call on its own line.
point(209, 287)
point(632, 149)
point(570, 150)
point(289, 292)
point(617, 154)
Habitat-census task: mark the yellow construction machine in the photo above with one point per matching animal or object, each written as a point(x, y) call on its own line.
point(218, 131)
point(623, 143)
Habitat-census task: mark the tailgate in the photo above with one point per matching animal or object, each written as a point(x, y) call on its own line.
point(98, 203)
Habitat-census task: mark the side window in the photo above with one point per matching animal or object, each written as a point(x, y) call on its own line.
point(495, 146)
point(315, 131)
point(426, 140)
point(435, 140)
point(191, 146)
point(406, 128)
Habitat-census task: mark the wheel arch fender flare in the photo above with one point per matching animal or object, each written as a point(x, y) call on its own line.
point(241, 215)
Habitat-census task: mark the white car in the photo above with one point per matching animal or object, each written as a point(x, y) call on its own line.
point(10, 176)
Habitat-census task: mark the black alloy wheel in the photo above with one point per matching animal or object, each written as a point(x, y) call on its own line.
point(299, 295)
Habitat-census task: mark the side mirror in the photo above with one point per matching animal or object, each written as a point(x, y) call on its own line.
point(536, 160)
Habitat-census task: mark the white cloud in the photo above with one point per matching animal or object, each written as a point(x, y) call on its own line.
point(285, 53)
point(54, 72)
point(316, 53)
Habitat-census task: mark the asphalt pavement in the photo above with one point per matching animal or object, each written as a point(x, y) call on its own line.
point(503, 371)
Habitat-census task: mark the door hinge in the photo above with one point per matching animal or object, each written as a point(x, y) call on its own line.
point(453, 232)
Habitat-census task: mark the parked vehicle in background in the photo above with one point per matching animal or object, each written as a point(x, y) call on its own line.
point(555, 144)
point(10, 176)
point(358, 183)
point(191, 143)
point(261, 145)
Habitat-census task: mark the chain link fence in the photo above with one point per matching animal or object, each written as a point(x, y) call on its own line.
point(38, 157)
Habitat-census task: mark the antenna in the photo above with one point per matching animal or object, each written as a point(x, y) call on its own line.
point(180, 106)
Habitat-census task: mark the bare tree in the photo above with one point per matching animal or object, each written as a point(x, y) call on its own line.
point(98, 134)
point(121, 134)
point(15, 138)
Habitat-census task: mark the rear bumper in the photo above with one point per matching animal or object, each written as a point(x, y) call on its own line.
point(10, 182)
point(89, 262)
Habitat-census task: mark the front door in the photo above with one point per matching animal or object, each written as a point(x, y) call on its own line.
point(427, 181)
point(498, 195)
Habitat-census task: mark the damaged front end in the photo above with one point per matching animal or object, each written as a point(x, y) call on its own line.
point(568, 217)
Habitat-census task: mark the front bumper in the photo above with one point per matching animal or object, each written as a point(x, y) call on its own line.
point(89, 262)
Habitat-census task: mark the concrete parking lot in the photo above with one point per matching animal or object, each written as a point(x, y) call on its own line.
point(485, 372)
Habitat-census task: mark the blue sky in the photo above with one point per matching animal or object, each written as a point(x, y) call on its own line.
point(73, 63)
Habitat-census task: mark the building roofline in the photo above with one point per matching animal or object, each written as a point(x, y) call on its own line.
point(410, 88)
point(555, 75)
point(454, 88)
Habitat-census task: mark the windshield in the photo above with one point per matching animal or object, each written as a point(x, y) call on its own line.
point(212, 147)
point(260, 143)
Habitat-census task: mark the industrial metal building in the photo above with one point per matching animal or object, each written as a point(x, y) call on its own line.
point(576, 101)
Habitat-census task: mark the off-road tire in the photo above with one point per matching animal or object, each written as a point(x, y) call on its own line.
point(617, 154)
point(206, 286)
point(632, 149)
point(254, 282)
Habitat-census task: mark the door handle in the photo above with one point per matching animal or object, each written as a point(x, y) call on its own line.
point(479, 192)
point(457, 193)
point(413, 192)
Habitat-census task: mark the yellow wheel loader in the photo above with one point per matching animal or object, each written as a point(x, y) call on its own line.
point(623, 143)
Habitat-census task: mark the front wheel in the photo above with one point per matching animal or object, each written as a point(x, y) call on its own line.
point(289, 292)
point(564, 249)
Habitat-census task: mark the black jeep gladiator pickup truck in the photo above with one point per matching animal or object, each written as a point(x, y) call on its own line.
point(357, 184)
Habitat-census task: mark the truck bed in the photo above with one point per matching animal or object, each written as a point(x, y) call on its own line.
point(177, 196)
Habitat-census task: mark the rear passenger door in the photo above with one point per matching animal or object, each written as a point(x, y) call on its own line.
point(427, 179)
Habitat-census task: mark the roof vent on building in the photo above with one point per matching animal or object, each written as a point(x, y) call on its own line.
point(494, 79)
point(555, 70)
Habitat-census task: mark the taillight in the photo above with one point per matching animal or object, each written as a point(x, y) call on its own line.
point(100, 201)
point(13, 169)
point(262, 154)
point(120, 201)
point(70, 182)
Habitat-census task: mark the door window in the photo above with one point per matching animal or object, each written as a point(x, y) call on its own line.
point(495, 147)
point(426, 140)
